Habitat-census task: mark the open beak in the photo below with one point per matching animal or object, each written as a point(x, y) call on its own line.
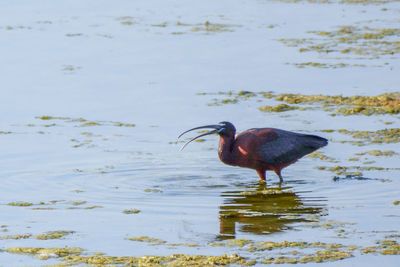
point(216, 127)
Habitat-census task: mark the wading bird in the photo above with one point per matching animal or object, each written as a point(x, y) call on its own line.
point(261, 149)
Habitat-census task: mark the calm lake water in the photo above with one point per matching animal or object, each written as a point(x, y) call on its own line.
point(95, 93)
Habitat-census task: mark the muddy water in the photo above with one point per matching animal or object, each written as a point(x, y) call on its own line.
point(94, 95)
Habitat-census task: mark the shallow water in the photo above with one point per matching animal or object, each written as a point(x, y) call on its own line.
point(145, 63)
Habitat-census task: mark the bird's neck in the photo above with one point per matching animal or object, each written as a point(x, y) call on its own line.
point(225, 150)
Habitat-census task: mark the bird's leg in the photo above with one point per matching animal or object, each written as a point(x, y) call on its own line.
point(261, 173)
point(278, 172)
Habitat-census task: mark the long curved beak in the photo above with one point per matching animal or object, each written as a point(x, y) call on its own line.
point(216, 127)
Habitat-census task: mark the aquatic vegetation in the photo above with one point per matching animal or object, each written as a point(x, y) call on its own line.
point(207, 27)
point(313, 252)
point(361, 41)
point(232, 243)
point(330, 252)
point(20, 204)
point(377, 153)
point(23, 236)
point(154, 241)
point(375, 137)
point(172, 260)
point(182, 245)
point(53, 235)
point(93, 207)
point(319, 256)
point(127, 22)
point(47, 117)
point(46, 253)
point(77, 203)
point(354, 159)
point(90, 123)
point(344, 170)
point(380, 104)
point(384, 247)
point(388, 103)
point(85, 122)
point(321, 156)
point(278, 108)
point(213, 27)
point(131, 211)
point(325, 65)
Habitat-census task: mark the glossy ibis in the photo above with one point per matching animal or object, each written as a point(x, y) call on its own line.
point(261, 149)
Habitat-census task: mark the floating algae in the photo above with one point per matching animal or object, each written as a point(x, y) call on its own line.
point(361, 41)
point(92, 207)
point(46, 253)
point(377, 153)
point(375, 137)
point(384, 247)
point(182, 245)
point(278, 108)
point(131, 211)
point(388, 103)
point(321, 156)
point(90, 123)
point(381, 104)
point(318, 257)
point(85, 122)
point(206, 27)
point(53, 235)
point(77, 203)
point(232, 243)
point(22, 236)
point(214, 27)
point(276, 251)
point(345, 170)
point(172, 260)
point(20, 204)
point(154, 241)
point(73, 256)
point(325, 65)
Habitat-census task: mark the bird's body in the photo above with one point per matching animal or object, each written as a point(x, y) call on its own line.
point(262, 149)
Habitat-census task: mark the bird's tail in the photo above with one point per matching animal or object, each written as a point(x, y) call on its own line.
point(315, 141)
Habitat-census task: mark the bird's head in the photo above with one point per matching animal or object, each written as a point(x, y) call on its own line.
point(223, 129)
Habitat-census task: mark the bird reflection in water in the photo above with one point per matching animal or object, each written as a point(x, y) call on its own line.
point(262, 210)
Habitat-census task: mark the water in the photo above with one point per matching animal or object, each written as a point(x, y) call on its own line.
point(144, 63)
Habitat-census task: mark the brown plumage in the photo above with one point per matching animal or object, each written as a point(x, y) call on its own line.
point(261, 149)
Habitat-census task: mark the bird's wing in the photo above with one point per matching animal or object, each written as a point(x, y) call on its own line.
point(282, 146)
